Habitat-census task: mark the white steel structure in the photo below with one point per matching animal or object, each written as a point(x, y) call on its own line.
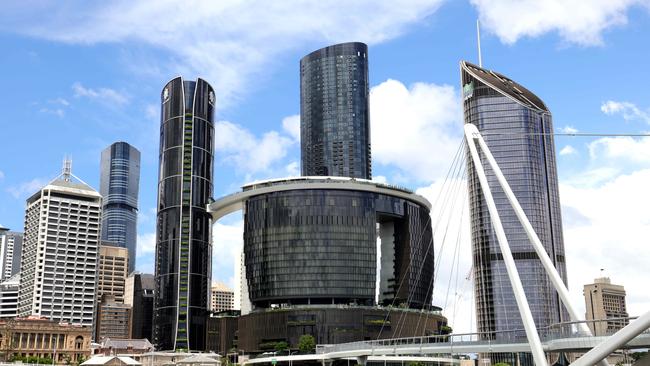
point(598, 354)
point(60, 251)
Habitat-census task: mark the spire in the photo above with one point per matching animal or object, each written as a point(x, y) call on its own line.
point(67, 169)
point(478, 40)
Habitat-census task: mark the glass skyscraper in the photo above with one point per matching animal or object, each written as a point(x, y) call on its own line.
point(119, 184)
point(334, 118)
point(183, 235)
point(518, 128)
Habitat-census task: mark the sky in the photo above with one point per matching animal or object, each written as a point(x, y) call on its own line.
point(81, 75)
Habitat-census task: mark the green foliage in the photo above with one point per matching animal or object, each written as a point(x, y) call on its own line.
point(306, 343)
point(81, 359)
point(445, 329)
point(501, 364)
point(416, 363)
point(281, 346)
point(31, 359)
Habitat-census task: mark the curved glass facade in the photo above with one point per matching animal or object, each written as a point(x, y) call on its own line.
point(183, 243)
point(511, 120)
point(319, 246)
point(334, 118)
point(119, 184)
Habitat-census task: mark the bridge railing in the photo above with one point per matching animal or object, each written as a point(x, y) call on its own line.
point(565, 330)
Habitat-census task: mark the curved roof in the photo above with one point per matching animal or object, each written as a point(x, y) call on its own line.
point(347, 48)
point(505, 86)
point(234, 202)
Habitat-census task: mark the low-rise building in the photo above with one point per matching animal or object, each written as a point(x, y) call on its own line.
point(133, 348)
point(9, 297)
point(40, 337)
point(221, 332)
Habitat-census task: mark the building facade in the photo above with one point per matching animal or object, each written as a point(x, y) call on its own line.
point(113, 319)
point(222, 333)
point(38, 337)
point(311, 243)
point(222, 298)
point(11, 244)
point(9, 296)
point(60, 252)
point(139, 294)
point(183, 242)
point(334, 112)
point(517, 127)
point(113, 270)
point(604, 300)
point(119, 185)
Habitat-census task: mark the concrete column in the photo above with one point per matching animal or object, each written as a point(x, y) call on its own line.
point(387, 261)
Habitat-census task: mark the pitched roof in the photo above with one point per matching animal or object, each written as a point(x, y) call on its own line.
point(103, 360)
point(201, 358)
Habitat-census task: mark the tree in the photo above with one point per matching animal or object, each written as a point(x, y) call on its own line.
point(306, 343)
point(281, 346)
point(501, 364)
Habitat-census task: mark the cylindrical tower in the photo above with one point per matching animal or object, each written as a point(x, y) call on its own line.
point(334, 118)
point(183, 235)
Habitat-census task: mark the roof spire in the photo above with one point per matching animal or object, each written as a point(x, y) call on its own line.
point(478, 40)
point(67, 168)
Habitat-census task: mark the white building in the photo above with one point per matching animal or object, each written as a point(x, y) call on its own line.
point(242, 301)
point(9, 297)
point(10, 246)
point(60, 251)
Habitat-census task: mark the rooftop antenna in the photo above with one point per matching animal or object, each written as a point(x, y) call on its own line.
point(67, 168)
point(478, 40)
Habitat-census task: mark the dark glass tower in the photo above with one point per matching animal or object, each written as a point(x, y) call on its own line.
point(183, 235)
point(119, 184)
point(334, 118)
point(517, 127)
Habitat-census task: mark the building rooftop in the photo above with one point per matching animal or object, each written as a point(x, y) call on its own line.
point(505, 86)
point(105, 360)
point(220, 286)
point(137, 344)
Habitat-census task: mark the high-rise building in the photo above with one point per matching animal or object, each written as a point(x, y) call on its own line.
point(518, 129)
point(183, 241)
point(60, 251)
point(10, 248)
point(139, 294)
point(119, 182)
point(113, 319)
point(222, 298)
point(604, 300)
point(112, 271)
point(334, 113)
point(9, 296)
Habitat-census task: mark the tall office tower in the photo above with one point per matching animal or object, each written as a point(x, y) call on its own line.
point(603, 300)
point(119, 182)
point(60, 251)
point(334, 112)
point(222, 298)
point(112, 271)
point(517, 127)
point(11, 244)
point(183, 242)
point(139, 294)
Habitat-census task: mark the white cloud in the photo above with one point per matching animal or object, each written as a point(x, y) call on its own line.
point(239, 147)
point(293, 169)
point(60, 101)
point(2, 175)
point(610, 234)
point(409, 123)
point(568, 129)
point(580, 22)
point(568, 150)
point(627, 109)
point(59, 112)
point(27, 188)
point(146, 244)
point(106, 95)
point(291, 125)
point(227, 242)
point(621, 149)
point(227, 41)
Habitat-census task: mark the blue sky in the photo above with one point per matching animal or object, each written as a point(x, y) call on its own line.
point(79, 76)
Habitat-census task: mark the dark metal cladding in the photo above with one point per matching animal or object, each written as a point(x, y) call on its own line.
point(319, 246)
point(334, 112)
point(511, 119)
point(183, 245)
